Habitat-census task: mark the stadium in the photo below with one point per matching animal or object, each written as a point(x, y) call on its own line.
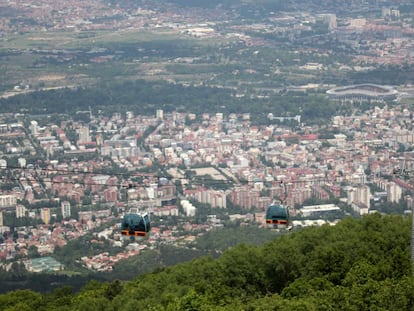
point(361, 92)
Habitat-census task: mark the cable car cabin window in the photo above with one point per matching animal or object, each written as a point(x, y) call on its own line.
point(135, 224)
point(277, 215)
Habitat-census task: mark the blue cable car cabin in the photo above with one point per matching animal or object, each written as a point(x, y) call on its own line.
point(135, 224)
point(277, 216)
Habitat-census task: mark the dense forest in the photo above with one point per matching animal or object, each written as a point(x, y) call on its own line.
point(76, 275)
point(356, 265)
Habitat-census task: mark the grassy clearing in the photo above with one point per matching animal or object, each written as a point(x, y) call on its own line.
point(85, 40)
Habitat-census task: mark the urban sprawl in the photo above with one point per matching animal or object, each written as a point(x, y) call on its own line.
point(256, 163)
point(69, 178)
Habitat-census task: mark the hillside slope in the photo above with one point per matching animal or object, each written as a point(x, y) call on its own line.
point(356, 265)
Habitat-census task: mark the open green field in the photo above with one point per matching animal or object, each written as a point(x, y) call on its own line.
point(57, 59)
point(83, 40)
point(54, 59)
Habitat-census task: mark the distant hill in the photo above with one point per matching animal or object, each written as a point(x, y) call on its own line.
point(355, 265)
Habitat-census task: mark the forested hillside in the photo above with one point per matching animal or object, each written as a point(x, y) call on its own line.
point(356, 265)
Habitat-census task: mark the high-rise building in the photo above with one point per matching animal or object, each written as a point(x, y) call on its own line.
point(351, 196)
point(394, 192)
point(244, 197)
point(20, 211)
point(329, 19)
point(84, 136)
point(215, 198)
point(21, 162)
point(34, 127)
point(111, 194)
point(45, 215)
point(7, 200)
point(359, 198)
point(364, 195)
point(65, 208)
point(159, 114)
point(99, 139)
point(390, 12)
point(189, 209)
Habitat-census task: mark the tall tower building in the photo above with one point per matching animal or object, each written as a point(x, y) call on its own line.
point(84, 136)
point(45, 215)
point(21, 162)
point(351, 195)
point(329, 19)
point(34, 127)
point(364, 195)
point(65, 208)
point(99, 139)
point(159, 114)
point(394, 192)
point(20, 211)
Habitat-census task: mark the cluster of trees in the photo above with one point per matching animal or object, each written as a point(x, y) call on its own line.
point(355, 265)
point(140, 97)
point(143, 97)
point(154, 260)
point(252, 8)
point(222, 239)
point(386, 74)
point(18, 278)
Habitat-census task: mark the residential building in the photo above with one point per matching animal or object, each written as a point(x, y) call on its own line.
point(45, 215)
point(65, 208)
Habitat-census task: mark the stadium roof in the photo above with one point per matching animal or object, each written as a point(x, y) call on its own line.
point(363, 90)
